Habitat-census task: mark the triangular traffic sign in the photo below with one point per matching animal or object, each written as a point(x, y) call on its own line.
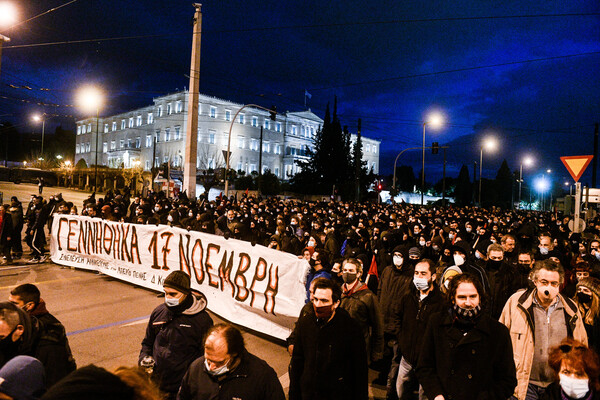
point(576, 165)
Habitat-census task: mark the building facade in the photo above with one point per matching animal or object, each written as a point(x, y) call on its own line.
point(153, 135)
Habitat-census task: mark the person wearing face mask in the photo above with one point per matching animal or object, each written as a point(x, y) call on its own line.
point(587, 298)
point(363, 306)
point(52, 346)
point(525, 262)
point(228, 371)
point(411, 319)
point(576, 369)
point(175, 333)
point(17, 336)
point(329, 360)
point(466, 354)
point(461, 255)
point(539, 318)
point(502, 279)
point(317, 270)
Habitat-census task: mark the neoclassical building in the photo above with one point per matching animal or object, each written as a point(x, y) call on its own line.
point(157, 132)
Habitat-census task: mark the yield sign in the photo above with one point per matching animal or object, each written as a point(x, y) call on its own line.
point(576, 165)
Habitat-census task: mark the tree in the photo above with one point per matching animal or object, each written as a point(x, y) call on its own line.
point(81, 164)
point(503, 186)
point(463, 190)
point(405, 178)
point(269, 184)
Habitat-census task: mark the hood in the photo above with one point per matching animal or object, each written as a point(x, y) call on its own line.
point(198, 305)
point(22, 378)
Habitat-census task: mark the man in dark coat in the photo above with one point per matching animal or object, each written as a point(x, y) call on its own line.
point(465, 353)
point(16, 212)
point(329, 361)
point(175, 333)
point(6, 233)
point(228, 371)
point(51, 343)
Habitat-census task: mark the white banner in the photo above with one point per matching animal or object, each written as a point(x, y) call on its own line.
point(253, 286)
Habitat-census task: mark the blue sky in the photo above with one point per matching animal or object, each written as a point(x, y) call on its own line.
point(524, 71)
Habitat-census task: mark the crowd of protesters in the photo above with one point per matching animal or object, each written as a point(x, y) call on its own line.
point(444, 302)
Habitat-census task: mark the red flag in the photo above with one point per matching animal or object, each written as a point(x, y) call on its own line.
point(373, 268)
point(246, 192)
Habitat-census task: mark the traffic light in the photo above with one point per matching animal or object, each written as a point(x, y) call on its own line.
point(435, 147)
point(379, 186)
point(273, 113)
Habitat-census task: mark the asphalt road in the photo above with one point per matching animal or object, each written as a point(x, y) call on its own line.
point(105, 318)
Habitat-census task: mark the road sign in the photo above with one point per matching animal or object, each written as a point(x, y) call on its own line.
point(580, 227)
point(576, 165)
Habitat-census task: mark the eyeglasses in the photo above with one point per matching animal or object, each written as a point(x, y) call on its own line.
point(566, 348)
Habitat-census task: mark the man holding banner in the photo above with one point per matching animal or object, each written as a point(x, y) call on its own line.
point(175, 333)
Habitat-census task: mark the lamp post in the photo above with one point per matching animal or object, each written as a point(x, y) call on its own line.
point(38, 118)
point(435, 120)
point(489, 144)
point(8, 16)
point(528, 161)
point(90, 99)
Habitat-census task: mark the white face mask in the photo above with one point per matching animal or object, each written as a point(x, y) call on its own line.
point(458, 260)
point(421, 283)
point(543, 250)
point(171, 301)
point(170, 218)
point(223, 369)
point(573, 387)
point(468, 230)
point(398, 261)
point(421, 243)
point(311, 243)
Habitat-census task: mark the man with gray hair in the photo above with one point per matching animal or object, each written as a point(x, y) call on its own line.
point(539, 318)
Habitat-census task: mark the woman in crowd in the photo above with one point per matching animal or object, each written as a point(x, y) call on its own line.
point(576, 371)
point(587, 298)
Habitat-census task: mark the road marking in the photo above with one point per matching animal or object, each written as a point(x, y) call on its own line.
point(43, 282)
point(95, 328)
point(141, 321)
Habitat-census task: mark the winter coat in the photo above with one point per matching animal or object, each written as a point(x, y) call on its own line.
point(329, 361)
point(477, 365)
point(175, 340)
point(252, 379)
point(363, 306)
point(394, 283)
point(411, 318)
point(51, 345)
point(6, 230)
point(518, 316)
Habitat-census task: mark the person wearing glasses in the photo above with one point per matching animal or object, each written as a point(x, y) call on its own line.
point(576, 371)
point(538, 319)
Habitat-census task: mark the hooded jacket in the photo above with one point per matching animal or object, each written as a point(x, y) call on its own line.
point(175, 340)
point(518, 317)
point(394, 283)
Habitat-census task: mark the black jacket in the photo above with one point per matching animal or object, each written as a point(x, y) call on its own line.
point(175, 340)
point(393, 284)
point(329, 361)
point(252, 379)
point(6, 229)
point(476, 366)
point(411, 319)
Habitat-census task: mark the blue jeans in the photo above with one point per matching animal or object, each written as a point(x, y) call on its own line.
point(534, 392)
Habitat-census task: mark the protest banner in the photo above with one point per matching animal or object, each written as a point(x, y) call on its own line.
point(253, 286)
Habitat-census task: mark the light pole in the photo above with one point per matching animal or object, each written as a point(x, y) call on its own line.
point(90, 99)
point(38, 118)
point(435, 120)
point(228, 155)
point(528, 161)
point(8, 16)
point(489, 144)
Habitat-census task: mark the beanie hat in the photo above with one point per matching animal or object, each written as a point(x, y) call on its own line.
point(591, 283)
point(178, 280)
point(22, 378)
point(414, 251)
point(90, 383)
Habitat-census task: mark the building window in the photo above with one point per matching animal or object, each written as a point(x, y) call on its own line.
point(199, 135)
point(123, 124)
point(169, 111)
point(129, 144)
point(165, 159)
point(113, 145)
point(76, 149)
point(211, 137)
point(312, 132)
point(213, 112)
point(225, 139)
point(105, 147)
point(374, 148)
point(367, 148)
point(147, 165)
point(266, 147)
point(240, 143)
point(267, 124)
point(121, 143)
point(159, 111)
point(131, 122)
point(277, 149)
point(278, 127)
point(255, 121)
point(150, 118)
point(138, 142)
point(177, 133)
point(148, 140)
point(114, 126)
point(276, 171)
point(252, 167)
point(157, 135)
point(79, 129)
point(87, 147)
point(227, 115)
point(138, 120)
point(105, 128)
point(294, 130)
point(254, 144)
point(241, 119)
point(89, 129)
point(167, 134)
point(178, 106)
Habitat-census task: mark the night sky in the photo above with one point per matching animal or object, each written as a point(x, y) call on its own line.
point(525, 71)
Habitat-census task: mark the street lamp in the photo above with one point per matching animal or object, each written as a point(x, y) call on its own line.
point(91, 99)
point(528, 161)
point(8, 16)
point(38, 118)
point(434, 120)
point(488, 144)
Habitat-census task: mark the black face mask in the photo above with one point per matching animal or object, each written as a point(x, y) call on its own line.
point(584, 298)
point(7, 347)
point(493, 265)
